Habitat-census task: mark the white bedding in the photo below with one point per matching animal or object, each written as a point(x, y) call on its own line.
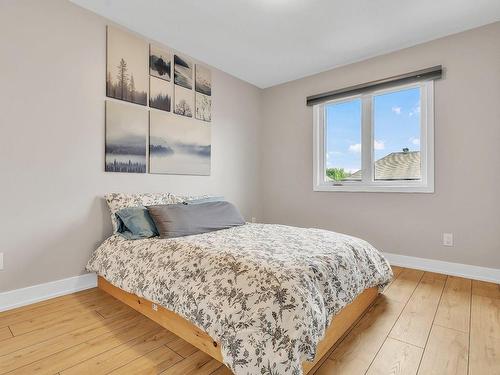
point(265, 292)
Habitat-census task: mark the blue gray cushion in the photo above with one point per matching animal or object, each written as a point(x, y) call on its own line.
point(135, 223)
point(177, 220)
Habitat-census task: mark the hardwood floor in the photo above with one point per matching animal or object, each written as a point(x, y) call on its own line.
point(424, 323)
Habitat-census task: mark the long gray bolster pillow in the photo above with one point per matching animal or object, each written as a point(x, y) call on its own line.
point(177, 220)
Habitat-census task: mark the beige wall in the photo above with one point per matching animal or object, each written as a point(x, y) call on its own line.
point(467, 161)
point(52, 77)
point(52, 70)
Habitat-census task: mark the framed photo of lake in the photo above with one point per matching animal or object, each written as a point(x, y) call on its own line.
point(126, 138)
point(159, 63)
point(183, 71)
point(178, 145)
point(127, 75)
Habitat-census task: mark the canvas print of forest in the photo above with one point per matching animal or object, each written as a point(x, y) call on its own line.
point(203, 81)
point(126, 138)
point(178, 145)
point(127, 67)
point(159, 63)
point(203, 107)
point(183, 72)
point(160, 95)
point(184, 101)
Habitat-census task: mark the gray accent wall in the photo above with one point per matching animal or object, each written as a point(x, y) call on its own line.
point(52, 77)
point(467, 156)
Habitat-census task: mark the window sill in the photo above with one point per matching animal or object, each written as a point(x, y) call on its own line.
point(376, 188)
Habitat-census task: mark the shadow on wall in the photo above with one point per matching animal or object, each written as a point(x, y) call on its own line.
point(107, 226)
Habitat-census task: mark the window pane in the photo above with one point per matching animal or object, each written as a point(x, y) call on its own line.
point(343, 141)
point(397, 135)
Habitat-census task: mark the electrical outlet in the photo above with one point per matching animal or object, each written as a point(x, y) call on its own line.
point(1, 261)
point(154, 306)
point(254, 220)
point(448, 239)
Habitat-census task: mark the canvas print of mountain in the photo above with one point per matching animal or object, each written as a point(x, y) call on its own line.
point(127, 67)
point(160, 95)
point(126, 138)
point(203, 107)
point(203, 81)
point(178, 145)
point(184, 101)
point(159, 63)
point(183, 72)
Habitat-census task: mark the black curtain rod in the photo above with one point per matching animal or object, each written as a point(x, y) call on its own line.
point(420, 75)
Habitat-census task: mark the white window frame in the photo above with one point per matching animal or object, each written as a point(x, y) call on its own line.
point(368, 183)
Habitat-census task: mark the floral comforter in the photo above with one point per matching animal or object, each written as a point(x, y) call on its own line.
point(265, 292)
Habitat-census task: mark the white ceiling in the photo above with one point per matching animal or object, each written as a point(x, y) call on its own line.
point(267, 42)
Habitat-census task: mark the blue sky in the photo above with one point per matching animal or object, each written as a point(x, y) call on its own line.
point(397, 125)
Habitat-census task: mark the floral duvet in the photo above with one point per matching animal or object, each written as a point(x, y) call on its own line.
point(265, 292)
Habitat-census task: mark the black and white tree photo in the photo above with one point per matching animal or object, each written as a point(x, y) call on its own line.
point(127, 67)
point(184, 101)
point(203, 107)
point(160, 96)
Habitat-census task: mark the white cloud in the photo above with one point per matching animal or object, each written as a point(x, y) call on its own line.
point(378, 145)
point(332, 154)
point(355, 148)
point(396, 110)
point(415, 110)
point(415, 141)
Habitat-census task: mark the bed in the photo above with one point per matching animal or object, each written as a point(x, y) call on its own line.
point(261, 298)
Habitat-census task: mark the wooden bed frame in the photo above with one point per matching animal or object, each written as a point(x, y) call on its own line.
point(340, 325)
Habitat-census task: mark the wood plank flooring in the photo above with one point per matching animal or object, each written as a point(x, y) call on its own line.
point(424, 323)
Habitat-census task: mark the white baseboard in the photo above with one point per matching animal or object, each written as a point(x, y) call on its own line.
point(36, 293)
point(448, 268)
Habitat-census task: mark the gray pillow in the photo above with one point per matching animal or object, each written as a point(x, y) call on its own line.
point(177, 220)
point(135, 223)
point(204, 200)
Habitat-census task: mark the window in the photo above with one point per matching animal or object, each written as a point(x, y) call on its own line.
point(376, 141)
